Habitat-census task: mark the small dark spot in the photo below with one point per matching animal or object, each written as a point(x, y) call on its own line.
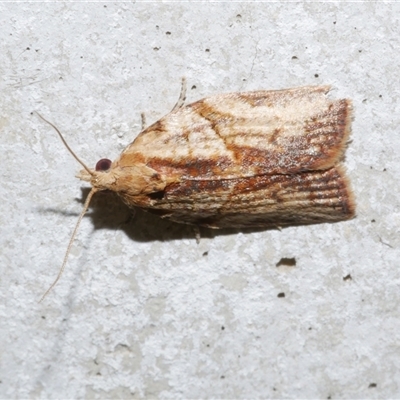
point(287, 262)
point(380, 96)
point(372, 220)
point(157, 27)
point(60, 77)
point(244, 79)
point(43, 317)
point(364, 101)
point(28, 48)
point(156, 48)
point(372, 385)
point(295, 58)
point(360, 51)
point(238, 16)
point(310, 329)
point(194, 87)
point(99, 373)
point(207, 50)
point(105, 6)
point(168, 33)
point(37, 50)
point(207, 345)
point(81, 56)
point(157, 195)
point(334, 22)
point(316, 75)
point(205, 253)
point(222, 328)
point(281, 294)
point(347, 277)
point(384, 170)
point(274, 389)
point(329, 397)
point(222, 376)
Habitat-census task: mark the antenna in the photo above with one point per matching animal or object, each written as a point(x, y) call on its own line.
point(85, 208)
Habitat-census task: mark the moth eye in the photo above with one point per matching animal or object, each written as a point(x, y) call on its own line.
point(103, 165)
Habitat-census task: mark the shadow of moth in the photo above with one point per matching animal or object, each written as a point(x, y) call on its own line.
point(268, 158)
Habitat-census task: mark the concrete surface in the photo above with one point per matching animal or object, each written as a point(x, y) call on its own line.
point(142, 311)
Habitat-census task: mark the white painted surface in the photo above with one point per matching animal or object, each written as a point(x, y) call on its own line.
point(142, 310)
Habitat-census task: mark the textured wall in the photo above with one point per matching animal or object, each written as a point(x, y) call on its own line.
point(142, 309)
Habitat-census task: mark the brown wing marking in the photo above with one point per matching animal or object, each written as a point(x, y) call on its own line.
point(246, 134)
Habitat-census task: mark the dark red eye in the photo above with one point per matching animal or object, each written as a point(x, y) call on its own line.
point(103, 165)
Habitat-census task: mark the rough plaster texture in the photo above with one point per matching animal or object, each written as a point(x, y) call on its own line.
point(142, 310)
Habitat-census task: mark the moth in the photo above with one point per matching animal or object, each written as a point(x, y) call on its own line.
point(267, 158)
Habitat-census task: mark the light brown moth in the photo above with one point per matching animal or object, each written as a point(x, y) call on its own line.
point(268, 158)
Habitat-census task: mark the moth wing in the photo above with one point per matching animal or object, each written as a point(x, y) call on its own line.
point(267, 201)
point(238, 135)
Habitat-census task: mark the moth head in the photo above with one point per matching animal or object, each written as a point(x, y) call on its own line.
point(136, 179)
point(96, 176)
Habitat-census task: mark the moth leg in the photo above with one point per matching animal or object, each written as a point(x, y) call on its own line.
point(197, 233)
point(182, 96)
point(143, 117)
